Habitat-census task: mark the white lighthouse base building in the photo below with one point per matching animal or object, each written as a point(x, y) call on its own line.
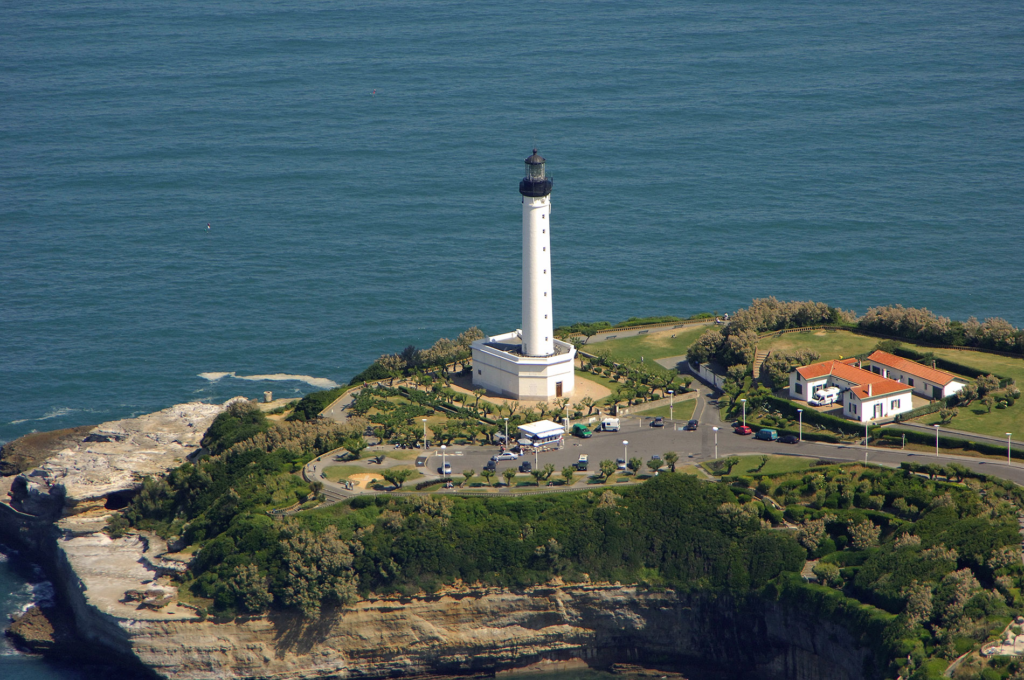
point(500, 367)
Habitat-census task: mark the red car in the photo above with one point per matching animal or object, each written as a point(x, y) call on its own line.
point(742, 429)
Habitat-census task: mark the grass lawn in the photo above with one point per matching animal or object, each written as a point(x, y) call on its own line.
point(683, 410)
point(976, 418)
point(828, 345)
point(600, 380)
point(339, 473)
point(748, 465)
point(688, 470)
point(649, 346)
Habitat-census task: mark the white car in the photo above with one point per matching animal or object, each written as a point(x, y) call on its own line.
point(508, 455)
point(621, 464)
point(446, 469)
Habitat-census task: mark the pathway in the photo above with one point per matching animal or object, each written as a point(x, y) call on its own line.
point(971, 436)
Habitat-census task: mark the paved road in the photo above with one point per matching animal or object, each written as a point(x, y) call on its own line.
point(630, 332)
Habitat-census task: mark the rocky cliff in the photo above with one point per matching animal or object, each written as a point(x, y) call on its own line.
point(120, 597)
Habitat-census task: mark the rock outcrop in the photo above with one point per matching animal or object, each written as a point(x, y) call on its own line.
point(88, 471)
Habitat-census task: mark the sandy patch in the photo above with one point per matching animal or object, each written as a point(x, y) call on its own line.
point(361, 480)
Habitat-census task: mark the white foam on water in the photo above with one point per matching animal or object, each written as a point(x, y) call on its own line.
point(323, 383)
point(52, 413)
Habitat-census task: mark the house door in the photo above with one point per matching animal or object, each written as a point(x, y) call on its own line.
point(878, 411)
point(558, 390)
point(936, 393)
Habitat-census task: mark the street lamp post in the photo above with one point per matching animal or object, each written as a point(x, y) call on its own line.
point(744, 402)
point(1008, 448)
point(443, 459)
point(506, 431)
point(625, 450)
point(671, 394)
point(865, 442)
point(800, 415)
point(424, 434)
point(936, 441)
point(716, 442)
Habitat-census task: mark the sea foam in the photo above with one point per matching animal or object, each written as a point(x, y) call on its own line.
point(323, 383)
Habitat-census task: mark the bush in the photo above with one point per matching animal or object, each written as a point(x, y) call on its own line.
point(310, 406)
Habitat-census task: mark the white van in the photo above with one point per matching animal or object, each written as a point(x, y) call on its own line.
point(825, 397)
point(610, 424)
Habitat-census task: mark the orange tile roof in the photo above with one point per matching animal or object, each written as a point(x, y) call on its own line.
point(840, 369)
point(880, 388)
point(912, 367)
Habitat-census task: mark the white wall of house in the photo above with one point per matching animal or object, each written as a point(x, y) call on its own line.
point(919, 385)
point(871, 408)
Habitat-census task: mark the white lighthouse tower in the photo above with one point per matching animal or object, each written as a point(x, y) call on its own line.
point(530, 364)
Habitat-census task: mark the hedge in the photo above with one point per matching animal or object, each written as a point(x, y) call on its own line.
point(811, 436)
point(948, 442)
point(933, 407)
point(812, 417)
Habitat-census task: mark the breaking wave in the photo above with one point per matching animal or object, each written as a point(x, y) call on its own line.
point(323, 383)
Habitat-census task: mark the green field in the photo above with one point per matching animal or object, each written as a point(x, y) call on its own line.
point(683, 410)
point(651, 346)
point(339, 473)
point(775, 465)
point(836, 345)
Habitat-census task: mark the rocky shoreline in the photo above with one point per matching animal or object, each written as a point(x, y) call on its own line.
point(118, 597)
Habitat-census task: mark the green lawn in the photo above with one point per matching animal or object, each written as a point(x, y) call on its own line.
point(748, 465)
point(683, 410)
point(828, 345)
point(339, 473)
point(650, 346)
point(976, 418)
point(599, 379)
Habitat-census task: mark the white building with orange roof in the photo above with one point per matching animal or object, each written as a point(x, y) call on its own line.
point(927, 381)
point(865, 395)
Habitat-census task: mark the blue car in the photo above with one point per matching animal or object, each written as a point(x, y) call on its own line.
point(766, 435)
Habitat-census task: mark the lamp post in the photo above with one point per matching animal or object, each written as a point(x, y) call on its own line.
point(744, 402)
point(443, 447)
point(716, 442)
point(936, 441)
point(1008, 448)
point(625, 450)
point(671, 395)
point(800, 415)
point(424, 434)
point(865, 442)
point(506, 431)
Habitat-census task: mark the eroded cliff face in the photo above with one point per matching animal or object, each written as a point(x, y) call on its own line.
point(488, 630)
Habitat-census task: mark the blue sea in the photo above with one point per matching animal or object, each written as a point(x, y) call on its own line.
point(358, 162)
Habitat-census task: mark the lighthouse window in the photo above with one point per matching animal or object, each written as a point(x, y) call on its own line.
point(545, 316)
point(545, 293)
point(544, 249)
point(543, 216)
point(543, 231)
point(545, 271)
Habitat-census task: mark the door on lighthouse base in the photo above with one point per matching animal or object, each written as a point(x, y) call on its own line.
point(558, 390)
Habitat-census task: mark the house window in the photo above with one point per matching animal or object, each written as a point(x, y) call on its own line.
point(910, 381)
point(876, 369)
point(895, 403)
point(799, 388)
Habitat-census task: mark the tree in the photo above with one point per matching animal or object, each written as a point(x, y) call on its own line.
point(479, 393)
point(946, 415)
point(655, 464)
point(764, 458)
point(966, 395)
point(706, 347)
point(317, 569)
point(987, 383)
point(549, 469)
point(589, 403)
point(828, 574)
point(687, 381)
point(397, 477)
point(251, 590)
point(355, 445)
point(988, 403)
point(488, 475)
point(635, 464)
point(729, 463)
point(864, 534)
point(468, 474)
point(567, 473)
point(537, 475)
point(509, 475)
point(315, 487)
point(607, 469)
point(671, 458)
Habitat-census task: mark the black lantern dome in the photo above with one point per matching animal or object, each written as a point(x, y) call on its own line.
point(535, 184)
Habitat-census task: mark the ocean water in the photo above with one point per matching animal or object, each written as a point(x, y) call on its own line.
point(358, 165)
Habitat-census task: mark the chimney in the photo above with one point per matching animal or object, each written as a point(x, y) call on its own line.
point(869, 389)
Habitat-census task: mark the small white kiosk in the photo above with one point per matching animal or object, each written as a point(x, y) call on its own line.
point(540, 436)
